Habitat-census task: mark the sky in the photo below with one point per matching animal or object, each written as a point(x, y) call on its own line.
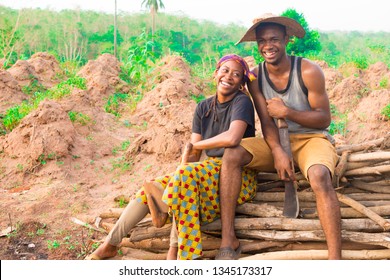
point(329, 15)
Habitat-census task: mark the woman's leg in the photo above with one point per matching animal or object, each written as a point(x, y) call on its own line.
point(158, 209)
point(173, 244)
point(133, 213)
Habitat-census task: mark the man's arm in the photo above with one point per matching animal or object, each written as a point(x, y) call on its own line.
point(270, 132)
point(319, 117)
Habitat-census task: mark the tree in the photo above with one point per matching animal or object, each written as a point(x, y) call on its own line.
point(154, 6)
point(308, 45)
point(115, 30)
point(9, 35)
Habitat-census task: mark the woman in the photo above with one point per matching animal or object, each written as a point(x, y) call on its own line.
point(219, 121)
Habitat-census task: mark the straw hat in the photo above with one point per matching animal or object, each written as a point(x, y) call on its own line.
point(293, 28)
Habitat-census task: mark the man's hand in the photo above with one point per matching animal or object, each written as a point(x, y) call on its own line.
point(276, 108)
point(186, 153)
point(283, 165)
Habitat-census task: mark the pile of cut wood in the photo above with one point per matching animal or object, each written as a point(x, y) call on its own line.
point(362, 183)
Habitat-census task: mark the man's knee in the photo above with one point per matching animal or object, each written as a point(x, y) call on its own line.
point(236, 156)
point(320, 178)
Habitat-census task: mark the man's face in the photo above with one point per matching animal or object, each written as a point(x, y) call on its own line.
point(271, 43)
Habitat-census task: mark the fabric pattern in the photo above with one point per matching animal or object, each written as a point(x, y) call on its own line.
point(193, 197)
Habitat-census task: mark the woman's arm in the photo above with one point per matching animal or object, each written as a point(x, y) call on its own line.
point(230, 138)
point(190, 154)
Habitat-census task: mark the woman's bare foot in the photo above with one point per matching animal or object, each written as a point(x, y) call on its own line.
point(104, 251)
point(158, 209)
point(172, 253)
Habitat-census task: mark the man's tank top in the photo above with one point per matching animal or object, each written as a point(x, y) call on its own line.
point(294, 95)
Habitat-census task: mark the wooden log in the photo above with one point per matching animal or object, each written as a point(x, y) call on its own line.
point(340, 169)
point(384, 210)
point(364, 210)
point(302, 204)
point(360, 164)
point(381, 239)
point(154, 244)
point(107, 226)
point(136, 254)
point(279, 196)
point(375, 170)
point(112, 213)
point(141, 233)
point(267, 176)
point(362, 146)
point(259, 210)
point(85, 224)
point(310, 197)
point(374, 156)
point(321, 255)
point(321, 245)
point(265, 210)
point(262, 187)
point(257, 245)
point(293, 224)
point(372, 187)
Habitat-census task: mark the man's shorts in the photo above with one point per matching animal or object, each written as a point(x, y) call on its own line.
point(307, 150)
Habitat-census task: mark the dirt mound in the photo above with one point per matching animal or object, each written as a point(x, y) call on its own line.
point(377, 76)
point(365, 122)
point(102, 77)
point(23, 72)
point(167, 110)
point(10, 92)
point(346, 94)
point(47, 68)
point(47, 131)
point(332, 76)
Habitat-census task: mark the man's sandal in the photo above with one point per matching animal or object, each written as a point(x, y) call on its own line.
point(228, 253)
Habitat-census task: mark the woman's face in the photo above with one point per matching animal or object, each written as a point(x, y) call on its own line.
point(229, 78)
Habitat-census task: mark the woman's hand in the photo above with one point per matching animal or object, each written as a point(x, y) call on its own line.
point(186, 153)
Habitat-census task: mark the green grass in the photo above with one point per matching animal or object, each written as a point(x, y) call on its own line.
point(386, 112)
point(14, 115)
point(77, 117)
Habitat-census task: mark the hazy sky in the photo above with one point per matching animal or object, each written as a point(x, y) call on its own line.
point(326, 15)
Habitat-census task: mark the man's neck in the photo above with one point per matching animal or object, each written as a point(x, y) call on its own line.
point(280, 67)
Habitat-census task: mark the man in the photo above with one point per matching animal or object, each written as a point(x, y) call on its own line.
point(293, 89)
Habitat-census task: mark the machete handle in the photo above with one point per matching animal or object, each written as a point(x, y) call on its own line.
point(282, 123)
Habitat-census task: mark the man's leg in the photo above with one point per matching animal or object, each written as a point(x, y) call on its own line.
point(229, 189)
point(328, 208)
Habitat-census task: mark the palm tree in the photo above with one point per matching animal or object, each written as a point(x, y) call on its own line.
point(115, 30)
point(154, 6)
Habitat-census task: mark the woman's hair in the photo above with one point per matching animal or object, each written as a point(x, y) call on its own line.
point(248, 75)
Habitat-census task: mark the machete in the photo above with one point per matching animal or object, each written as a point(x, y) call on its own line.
point(291, 203)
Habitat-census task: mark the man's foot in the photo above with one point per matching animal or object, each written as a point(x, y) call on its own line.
point(227, 253)
point(104, 251)
point(158, 209)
